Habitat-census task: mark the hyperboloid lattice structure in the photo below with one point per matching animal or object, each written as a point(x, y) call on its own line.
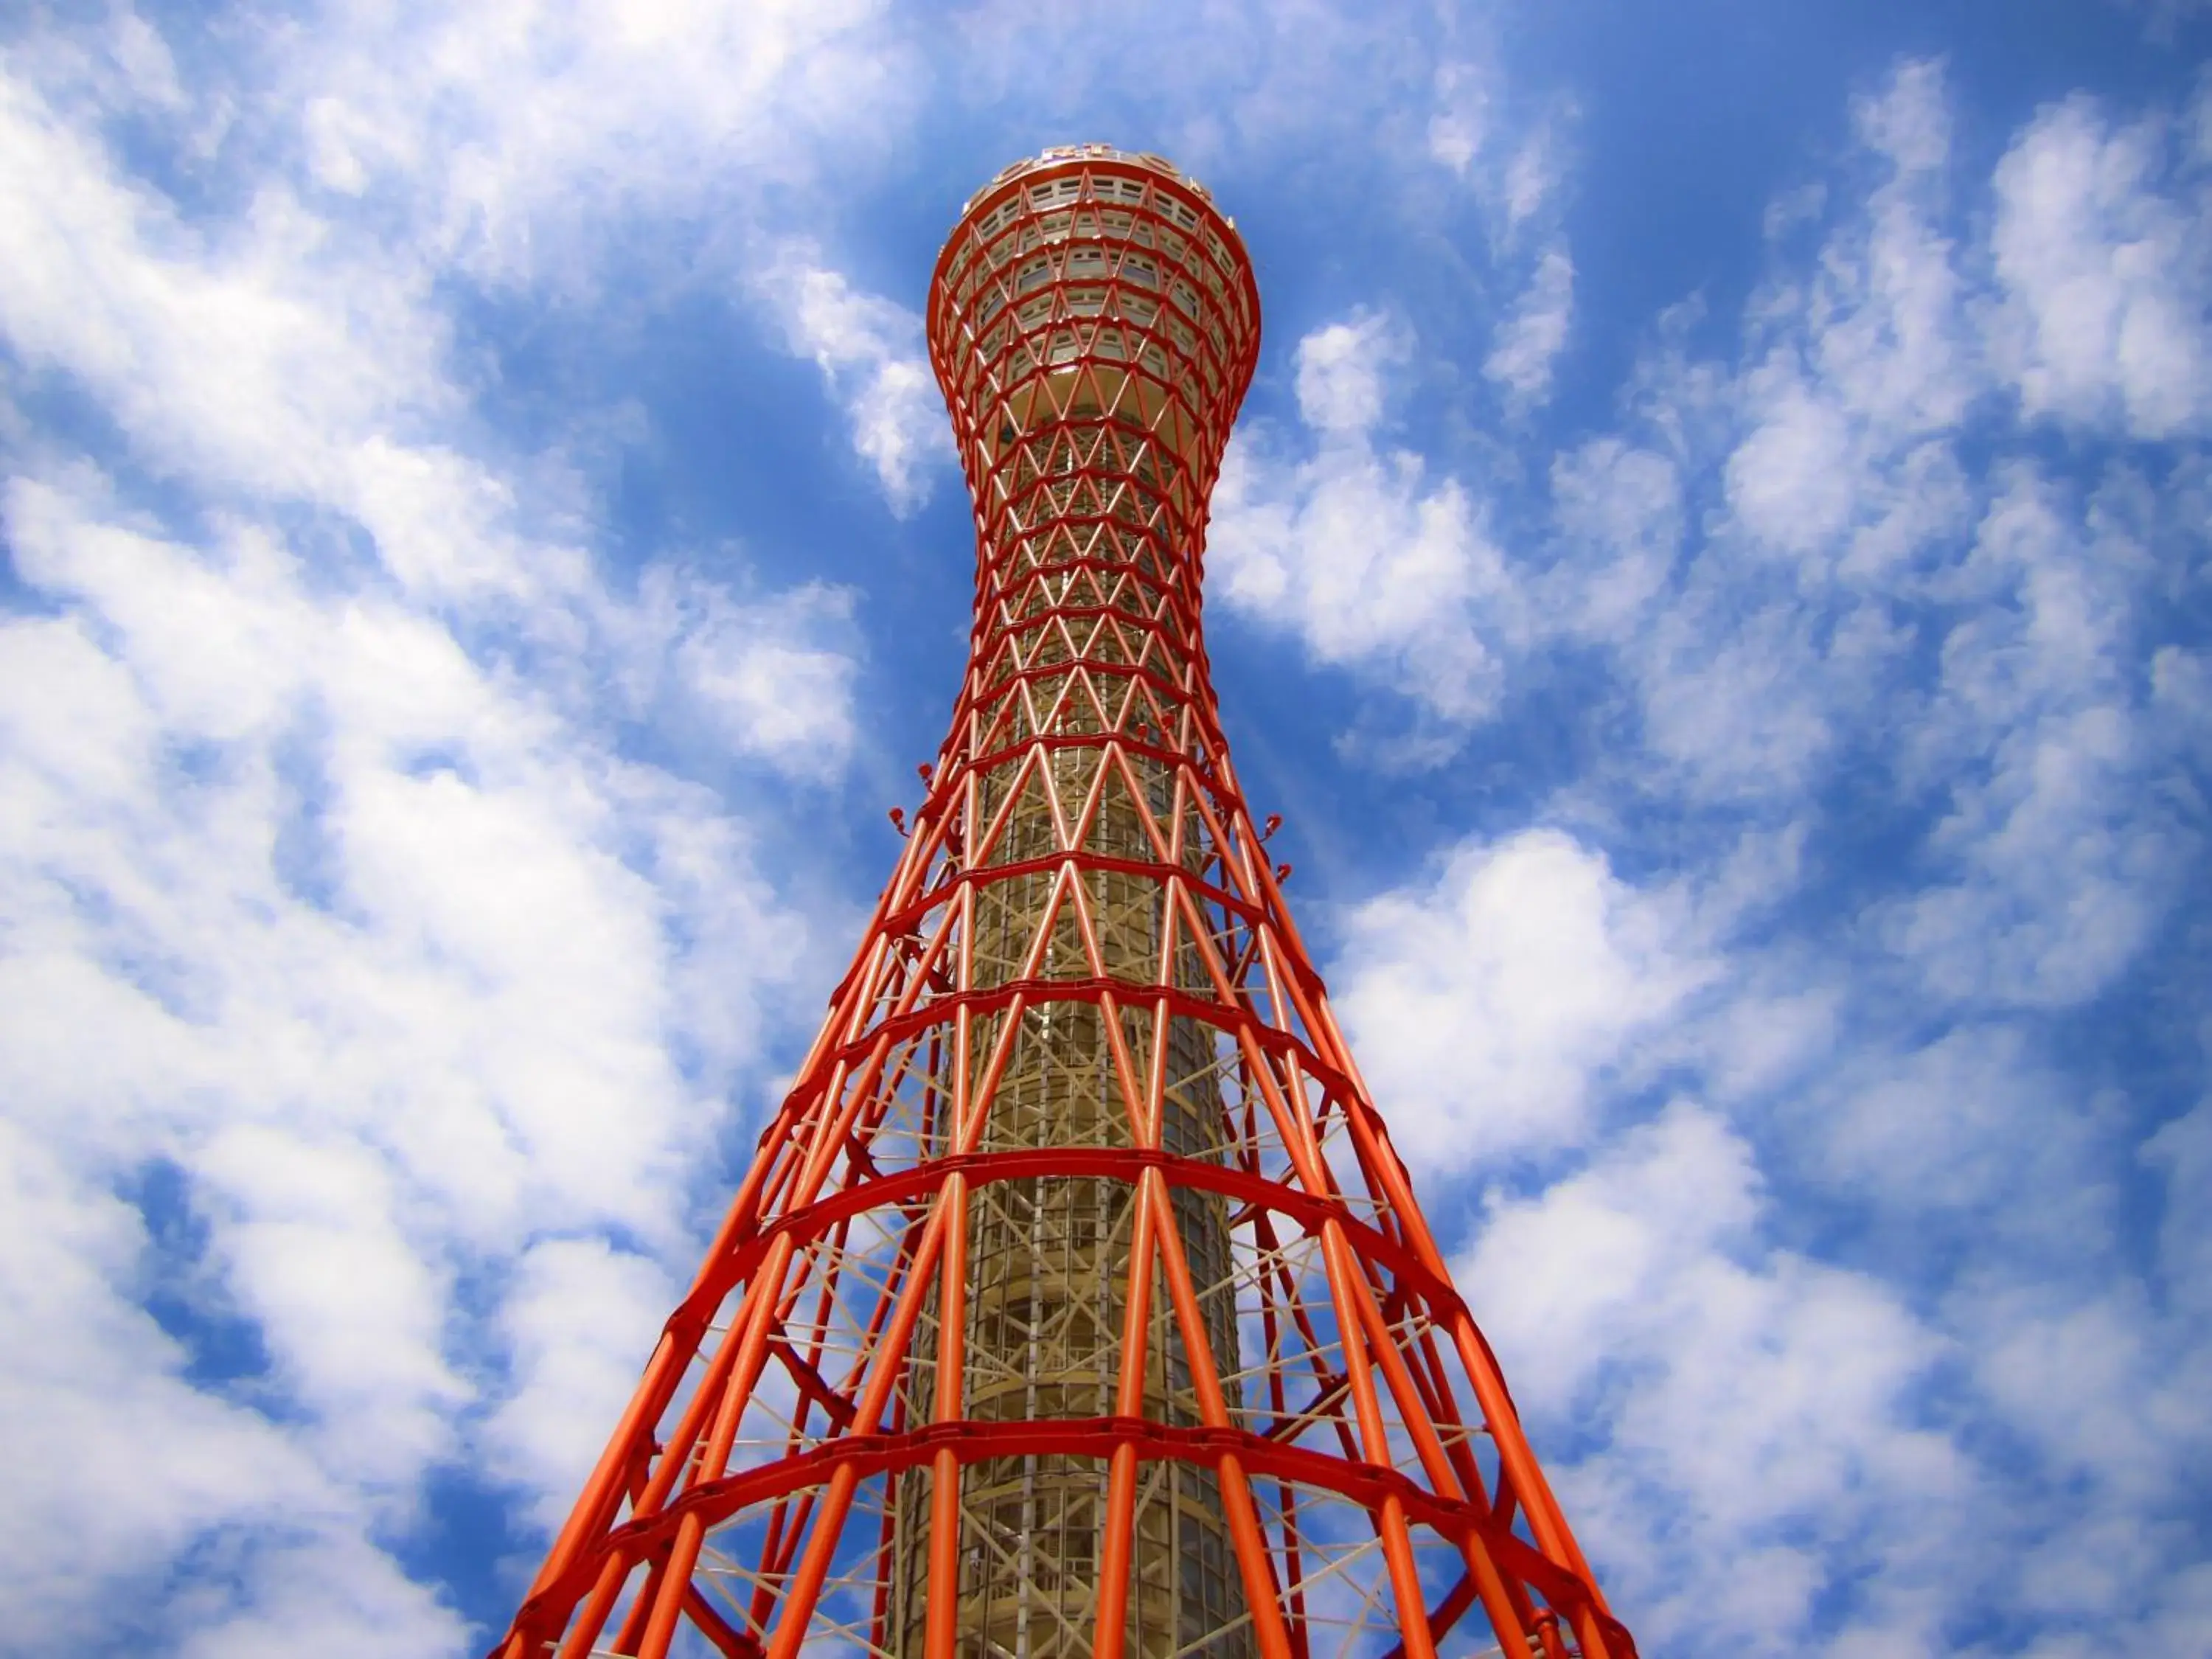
point(1077, 1306)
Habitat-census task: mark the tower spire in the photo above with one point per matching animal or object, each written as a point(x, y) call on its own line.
point(1077, 1303)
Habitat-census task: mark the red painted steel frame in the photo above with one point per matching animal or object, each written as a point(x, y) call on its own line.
point(1094, 322)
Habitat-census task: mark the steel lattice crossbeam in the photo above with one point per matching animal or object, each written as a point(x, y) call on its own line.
point(1077, 1303)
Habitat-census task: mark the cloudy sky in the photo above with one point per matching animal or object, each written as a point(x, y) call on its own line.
point(1714, 571)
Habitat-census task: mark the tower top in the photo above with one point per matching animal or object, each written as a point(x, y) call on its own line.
point(1093, 283)
point(1059, 154)
point(1053, 174)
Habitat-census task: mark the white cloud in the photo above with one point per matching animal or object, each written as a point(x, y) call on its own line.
point(2181, 695)
point(1762, 1400)
point(1792, 626)
point(2103, 1392)
point(1531, 178)
point(1971, 1145)
point(870, 352)
point(1548, 1274)
point(526, 147)
point(328, 885)
point(1908, 121)
point(515, 138)
point(390, 977)
point(1461, 125)
point(2059, 863)
point(2104, 261)
point(580, 1321)
point(2060, 891)
point(313, 1249)
point(116, 1461)
point(337, 1593)
point(2085, 1378)
point(1930, 668)
point(2182, 1149)
point(771, 691)
point(1488, 1008)
point(1353, 550)
point(256, 357)
point(1761, 1458)
point(768, 677)
point(1341, 372)
point(1859, 364)
point(1532, 336)
point(1619, 514)
point(1787, 481)
point(1733, 706)
point(1832, 445)
point(1481, 129)
point(1879, 1339)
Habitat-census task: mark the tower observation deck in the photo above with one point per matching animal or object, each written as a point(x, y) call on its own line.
point(1076, 1305)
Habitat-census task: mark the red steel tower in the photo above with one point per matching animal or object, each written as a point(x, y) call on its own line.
point(1077, 1303)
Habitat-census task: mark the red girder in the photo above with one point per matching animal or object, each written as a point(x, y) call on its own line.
point(792, 1468)
point(1121, 1163)
point(866, 1456)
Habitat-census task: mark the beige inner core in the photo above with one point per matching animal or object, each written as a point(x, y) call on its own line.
point(1049, 1258)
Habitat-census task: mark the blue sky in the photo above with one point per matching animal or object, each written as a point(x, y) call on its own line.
point(1714, 571)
